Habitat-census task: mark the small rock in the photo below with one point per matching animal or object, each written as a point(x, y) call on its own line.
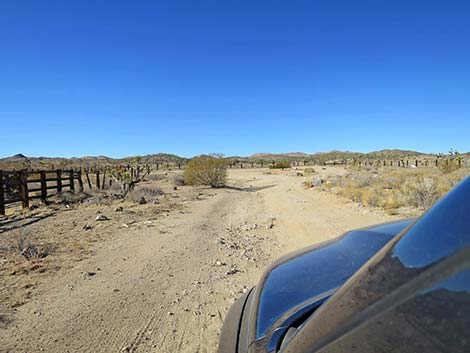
point(231, 272)
point(317, 182)
point(87, 227)
point(119, 209)
point(101, 217)
point(87, 274)
point(170, 313)
point(142, 201)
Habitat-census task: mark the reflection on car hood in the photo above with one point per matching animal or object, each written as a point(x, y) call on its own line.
point(300, 277)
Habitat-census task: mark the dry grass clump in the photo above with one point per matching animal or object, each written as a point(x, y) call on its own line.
point(21, 245)
point(155, 177)
point(27, 249)
point(449, 166)
point(421, 193)
point(309, 170)
point(393, 189)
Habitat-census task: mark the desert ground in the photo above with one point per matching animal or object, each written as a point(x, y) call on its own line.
point(120, 276)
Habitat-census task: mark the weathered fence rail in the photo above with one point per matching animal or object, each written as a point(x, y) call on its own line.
point(23, 186)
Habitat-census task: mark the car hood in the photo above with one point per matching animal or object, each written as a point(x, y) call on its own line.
point(298, 283)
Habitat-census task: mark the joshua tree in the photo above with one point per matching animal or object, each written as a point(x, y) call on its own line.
point(129, 176)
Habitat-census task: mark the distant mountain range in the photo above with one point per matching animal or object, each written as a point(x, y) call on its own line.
point(382, 154)
point(21, 161)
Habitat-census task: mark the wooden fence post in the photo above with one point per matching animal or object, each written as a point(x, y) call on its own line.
point(88, 179)
point(104, 178)
point(23, 177)
point(71, 178)
point(43, 186)
point(80, 181)
point(2, 196)
point(98, 179)
point(59, 181)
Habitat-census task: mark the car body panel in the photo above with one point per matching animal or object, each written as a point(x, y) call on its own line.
point(413, 295)
point(299, 283)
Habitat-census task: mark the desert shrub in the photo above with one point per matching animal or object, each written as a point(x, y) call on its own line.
point(178, 180)
point(449, 166)
point(205, 170)
point(69, 197)
point(24, 247)
point(155, 177)
point(394, 188)
point(280, 165)
point(361, 180)
point(371, 198)
point(144, 194)
point(421, 193)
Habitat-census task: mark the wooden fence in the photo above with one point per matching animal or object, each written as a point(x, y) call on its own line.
point(412, 163)
point(23, 186)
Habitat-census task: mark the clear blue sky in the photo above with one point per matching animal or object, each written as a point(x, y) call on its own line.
point(188, 77)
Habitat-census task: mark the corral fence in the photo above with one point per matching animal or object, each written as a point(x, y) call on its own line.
point(23, 186)
point(412, 163)
point(415, 163)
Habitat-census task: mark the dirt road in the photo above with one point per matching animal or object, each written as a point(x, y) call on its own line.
point(167, 287)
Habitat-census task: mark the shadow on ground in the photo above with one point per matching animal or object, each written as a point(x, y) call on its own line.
point(250, 188)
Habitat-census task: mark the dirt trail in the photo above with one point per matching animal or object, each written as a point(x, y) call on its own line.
point(167, 288)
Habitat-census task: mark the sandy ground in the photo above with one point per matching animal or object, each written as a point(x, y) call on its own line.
point(164, 283)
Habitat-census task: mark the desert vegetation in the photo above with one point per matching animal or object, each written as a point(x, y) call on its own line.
point(128, 178)
point(280, 165)
point(397, 190)
point(206, 170)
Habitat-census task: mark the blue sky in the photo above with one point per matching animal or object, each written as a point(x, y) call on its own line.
point(188, 77)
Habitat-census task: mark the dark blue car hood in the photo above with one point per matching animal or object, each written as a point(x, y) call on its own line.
point(304, 280)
